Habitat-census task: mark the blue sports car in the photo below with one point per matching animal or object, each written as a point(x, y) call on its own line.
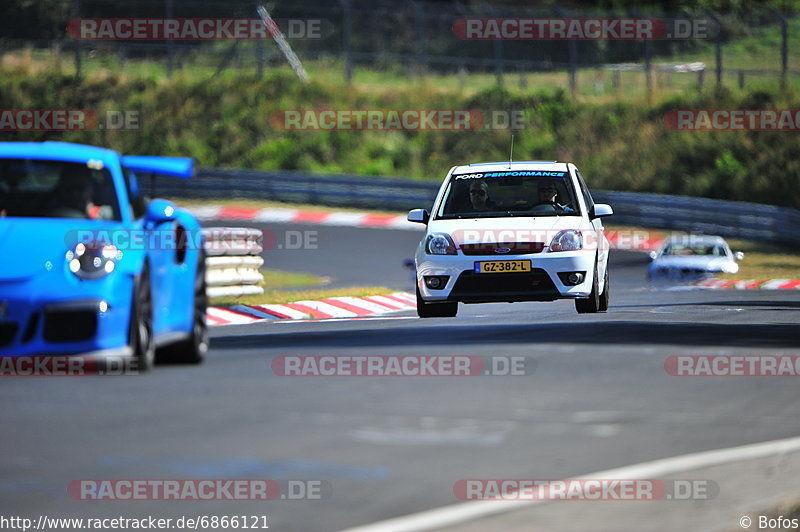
point(89, 266)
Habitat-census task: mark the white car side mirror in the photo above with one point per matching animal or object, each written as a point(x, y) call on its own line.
point(600, 210)
point(419, 216)
point(738, 255)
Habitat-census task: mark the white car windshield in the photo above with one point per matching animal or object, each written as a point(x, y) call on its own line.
point(56, 189)
point(509, 193)
point(683, 250)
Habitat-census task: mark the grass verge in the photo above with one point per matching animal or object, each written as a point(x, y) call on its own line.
point(765, 261)
point(761, 260)
point(620, 144)
point(278, 279)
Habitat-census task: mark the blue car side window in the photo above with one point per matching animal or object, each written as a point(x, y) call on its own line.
point(137, 202)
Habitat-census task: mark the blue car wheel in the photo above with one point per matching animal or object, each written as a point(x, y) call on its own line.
point(141, 328)
point(193, 349)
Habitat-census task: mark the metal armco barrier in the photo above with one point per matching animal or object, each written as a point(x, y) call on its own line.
point(296, 187)
point(233, 261)
point(734, 219)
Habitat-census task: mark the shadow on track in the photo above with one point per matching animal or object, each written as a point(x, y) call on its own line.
point(755, 305)
point(594, 333)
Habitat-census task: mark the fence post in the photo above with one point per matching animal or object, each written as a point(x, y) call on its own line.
point(121, 56)
point(718, 44)
point(419, 26)
point(347, 33)
point(784, 46)
point(497, 47)
point(498, 59)
point(76, 13)
point(573, 70)
point(648, 71)
point(573, 56)
point(741, 79)
point(57, 55)
point(170, 45)
point(648, 55)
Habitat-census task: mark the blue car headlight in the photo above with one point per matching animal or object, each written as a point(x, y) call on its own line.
point(93, 261)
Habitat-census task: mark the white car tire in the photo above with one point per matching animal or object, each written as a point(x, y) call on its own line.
point(593, 303)
point(447, 309)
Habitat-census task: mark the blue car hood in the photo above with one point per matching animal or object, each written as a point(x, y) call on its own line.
point(27, 244)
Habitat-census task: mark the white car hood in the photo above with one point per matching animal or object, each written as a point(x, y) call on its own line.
point(508, 229)
point(708, 263)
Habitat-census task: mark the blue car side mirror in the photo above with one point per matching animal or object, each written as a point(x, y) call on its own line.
point(160, 211)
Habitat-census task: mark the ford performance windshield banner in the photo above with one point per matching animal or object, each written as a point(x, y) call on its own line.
point(516, 173)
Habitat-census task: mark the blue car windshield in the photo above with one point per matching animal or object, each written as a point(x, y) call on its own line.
point(56, 189)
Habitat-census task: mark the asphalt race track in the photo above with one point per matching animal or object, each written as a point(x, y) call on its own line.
point(597, 397)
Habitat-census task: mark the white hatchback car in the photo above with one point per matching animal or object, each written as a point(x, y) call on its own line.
point(510, 232)
point(691, 258)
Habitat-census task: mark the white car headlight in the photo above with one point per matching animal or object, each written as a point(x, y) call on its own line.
point(439, 244)
point(567, 240)
point(93, 261)
point(730, 267)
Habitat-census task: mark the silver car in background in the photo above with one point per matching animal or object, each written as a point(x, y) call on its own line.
point(691, 258)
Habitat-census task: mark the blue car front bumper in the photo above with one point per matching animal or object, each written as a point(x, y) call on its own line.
point(80, 317)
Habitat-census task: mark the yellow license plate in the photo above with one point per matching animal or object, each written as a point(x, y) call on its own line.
point(503, 266)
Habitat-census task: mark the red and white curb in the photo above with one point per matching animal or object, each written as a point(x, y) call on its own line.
point(333, 307)
point(634, 239)
point(272, 215)
point(751, 284)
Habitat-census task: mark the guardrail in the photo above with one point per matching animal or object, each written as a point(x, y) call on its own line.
point(732, 219)
point(296, 187)
point(233, 261)
point(658, 211)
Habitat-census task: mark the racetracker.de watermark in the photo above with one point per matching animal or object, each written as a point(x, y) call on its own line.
point(399, 366)
point(584, 489)
point(580, 29)
point(519, 241)
point(378, 119)
point(68, 120)
point(114, 242)
point(149, 522)
point(213, 489)
point(732, 119)
point(195, 29)
point(733, 365)
point(525, 241)
point(66, 366)
point(397, 119)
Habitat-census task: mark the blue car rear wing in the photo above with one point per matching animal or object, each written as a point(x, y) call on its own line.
point(182, 167)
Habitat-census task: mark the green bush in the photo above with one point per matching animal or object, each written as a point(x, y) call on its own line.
point(229, 121)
